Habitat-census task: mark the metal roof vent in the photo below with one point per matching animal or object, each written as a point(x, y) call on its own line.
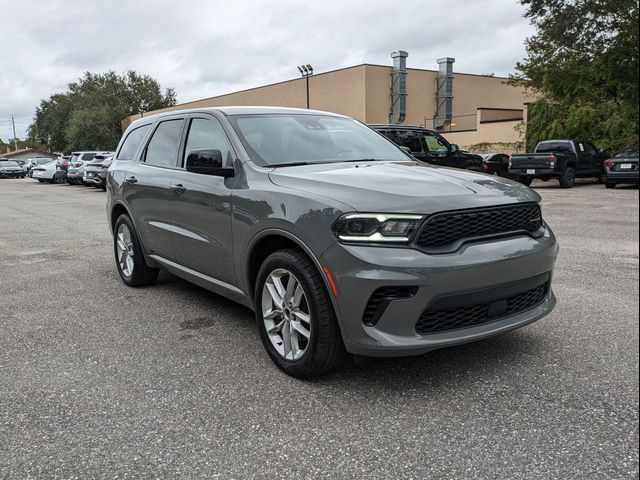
point(398, 110)
point(444, 93)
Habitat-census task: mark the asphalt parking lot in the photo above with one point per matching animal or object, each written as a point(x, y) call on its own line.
point(98, 380)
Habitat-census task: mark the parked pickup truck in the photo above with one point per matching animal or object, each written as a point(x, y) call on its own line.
point(565, 160)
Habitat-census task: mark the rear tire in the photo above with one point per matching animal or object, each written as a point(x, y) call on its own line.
point(610, 185)
point(130, 261)
point(315, 349)
point(568, 178)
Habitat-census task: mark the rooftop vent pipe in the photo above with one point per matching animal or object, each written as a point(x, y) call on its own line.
point(444, 93)
point(398, 110)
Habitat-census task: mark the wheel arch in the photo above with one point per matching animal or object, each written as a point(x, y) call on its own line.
point(269, 241)
point(116, 210)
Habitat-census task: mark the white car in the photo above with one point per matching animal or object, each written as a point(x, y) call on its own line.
point(49, 172)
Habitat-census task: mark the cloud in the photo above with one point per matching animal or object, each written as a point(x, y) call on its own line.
point(206, 48)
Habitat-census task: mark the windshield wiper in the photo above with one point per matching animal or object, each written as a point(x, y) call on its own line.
point(290, 164)
point(362, 160)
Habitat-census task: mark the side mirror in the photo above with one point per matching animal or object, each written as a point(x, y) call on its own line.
point(207, 161)
point(455, 147)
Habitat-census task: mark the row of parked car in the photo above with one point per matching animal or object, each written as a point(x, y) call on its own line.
point(80, 168)
point(562, 160)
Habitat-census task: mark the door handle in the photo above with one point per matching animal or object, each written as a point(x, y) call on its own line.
point(131, 179)
point(179, 188)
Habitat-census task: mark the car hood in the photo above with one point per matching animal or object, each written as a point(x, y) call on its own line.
point(410, 187)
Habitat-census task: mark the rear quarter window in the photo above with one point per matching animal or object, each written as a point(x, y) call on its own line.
point(132, 142)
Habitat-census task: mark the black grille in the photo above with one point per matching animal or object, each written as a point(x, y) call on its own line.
point(380, 300)
point(435, 321)
point(446, 231)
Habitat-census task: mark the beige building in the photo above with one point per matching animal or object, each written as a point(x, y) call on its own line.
point(482, 109)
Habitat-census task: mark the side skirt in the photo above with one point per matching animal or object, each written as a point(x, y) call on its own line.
point(212, 284)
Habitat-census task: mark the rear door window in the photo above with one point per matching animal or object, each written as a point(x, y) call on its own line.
point(162, 149)
point(132, 143)
point(88, 156)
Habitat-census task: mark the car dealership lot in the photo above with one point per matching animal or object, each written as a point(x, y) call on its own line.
point(170, 381)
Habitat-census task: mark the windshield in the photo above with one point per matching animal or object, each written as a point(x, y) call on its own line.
point(273, 140)
point(8, 163)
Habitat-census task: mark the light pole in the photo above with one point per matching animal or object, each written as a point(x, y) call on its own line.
point(306, 71)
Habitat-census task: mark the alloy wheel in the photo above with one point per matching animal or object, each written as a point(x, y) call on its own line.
point(286, 314)
point(124, 249)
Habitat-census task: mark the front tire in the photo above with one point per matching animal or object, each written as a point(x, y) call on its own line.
point(295, 317)
point(132, 266)
point(568, 178)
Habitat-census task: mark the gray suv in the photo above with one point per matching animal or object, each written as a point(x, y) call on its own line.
point(336, 238)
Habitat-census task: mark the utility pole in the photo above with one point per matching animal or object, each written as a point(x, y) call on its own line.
point(15, 140)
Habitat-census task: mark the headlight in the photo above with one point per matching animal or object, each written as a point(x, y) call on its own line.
point(376, 227)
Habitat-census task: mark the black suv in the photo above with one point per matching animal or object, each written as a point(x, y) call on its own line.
point(430, 147)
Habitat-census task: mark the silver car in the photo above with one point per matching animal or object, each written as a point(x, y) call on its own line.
point(77, 164)
point(95, 172)
point(336, 238)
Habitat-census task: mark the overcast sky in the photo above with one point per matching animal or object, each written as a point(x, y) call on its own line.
point(206, 48)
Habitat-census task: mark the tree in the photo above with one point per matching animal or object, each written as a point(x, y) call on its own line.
point(88, 114)
point(583, 64)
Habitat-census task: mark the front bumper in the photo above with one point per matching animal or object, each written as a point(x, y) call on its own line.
point(359, 271)
point(40, 175)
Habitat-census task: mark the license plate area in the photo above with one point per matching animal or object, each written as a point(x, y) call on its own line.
point(531, 171)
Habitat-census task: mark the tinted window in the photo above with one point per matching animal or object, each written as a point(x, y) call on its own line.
point(88, 156)
point(551, 147)
point(132, 142)
point(628, 153)
point(436, 144)
point(8, 163)
point(162, 149)
point(411, 140)
point(208, 134)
